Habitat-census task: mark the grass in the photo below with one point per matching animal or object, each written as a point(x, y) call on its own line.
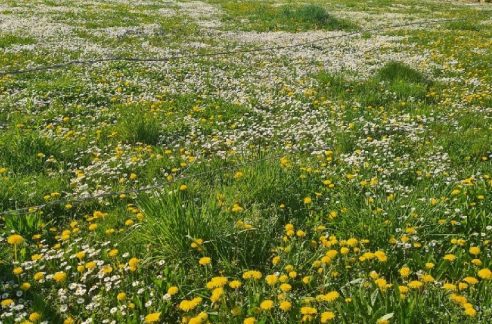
point(7, 40)
point(347, 182)
point(265, 17)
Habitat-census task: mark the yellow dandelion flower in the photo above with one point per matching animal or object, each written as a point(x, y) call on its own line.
point(121, 296)
point(474, 250)
point(235, 284)
point(60, 276)
point(217, 293)
point(252, 274)
point(327, 317)
point(415, 284)
point(249, 320)
point(266, 305)
point(449, 257)
point(405, 272)
point(485, 274)
point(34, 317)
point(15, 239)
point(152, 317)
point(307, 310)
point(205, 261)
point(173, 290)
point(285, 287)
point(6, 303)
point(470, 280)
point(285, 306)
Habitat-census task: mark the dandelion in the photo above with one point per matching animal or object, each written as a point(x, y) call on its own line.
point(188, 305)
point(152, 317)
point(60, 276)
point(327, 317)
point(474, 250)
point(15, 239)
point(271, 280)
point(6, 303)
point(235, 284)
point(470, 312)
point(285, 306)
point(249, 320)
point(285, 287)
point(173, 290)
point(307, 200)
point(470, 280)
point(266, 305)
point(132, 264)
point(34, 317)
point(485, 274)
point(217, 293)
point(252, 274)
point(121, 296)
point(449, 257)
point(415, 284)
point(405, 272)
point(205, 261)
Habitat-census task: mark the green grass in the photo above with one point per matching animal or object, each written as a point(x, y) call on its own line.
point(274, 162)
point(265, 17)
point(7, 40)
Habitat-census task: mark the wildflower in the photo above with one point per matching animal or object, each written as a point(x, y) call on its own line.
point(485, 274)
point(216, 282)
point(121, 296)
point(474, 250)
point(152, 317)
point(17, 271)
point(235, 284)
point(307, 310)
point(132, 264)
point(6, 303)
point(69, 320)
point(38, 276)
point(415, 284)
point(202, 317)
point(25, 286)
point(307, 200)
point(327, 316)
point(285, 306)
point(470, 311)
point(427, 278)
point(60, 276)
point(476, 262)
point(470, 280)
point(204, 261)
point(188, 305)
point(217, 293)
point(449, 286)
point(429, 265)
point(183, 187)
point(449, 257)
point(271, 280)
point(382, 284)
point(34, 317)
point(249, 320)
point(252, 274)
point(405, 272)
point(173, 290)
point(285, 287)
point(15, 239)
point(276, 260)
point(266, 305)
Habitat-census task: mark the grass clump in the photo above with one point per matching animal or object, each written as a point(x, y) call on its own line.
point(264, 17)
point(10, 39)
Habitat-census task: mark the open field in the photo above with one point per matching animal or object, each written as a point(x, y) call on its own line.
point(280, 162)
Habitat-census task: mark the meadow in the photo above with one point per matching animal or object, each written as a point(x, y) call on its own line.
point(238, 161)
